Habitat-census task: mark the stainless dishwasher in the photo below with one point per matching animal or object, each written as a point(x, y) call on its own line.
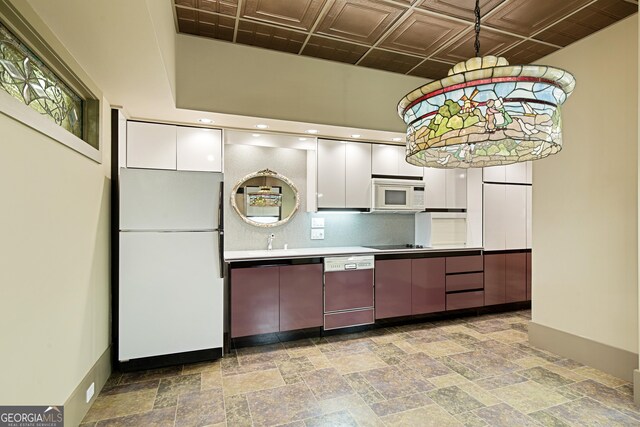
point(348, 291)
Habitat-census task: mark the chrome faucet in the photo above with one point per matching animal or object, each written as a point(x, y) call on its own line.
point(270, 241)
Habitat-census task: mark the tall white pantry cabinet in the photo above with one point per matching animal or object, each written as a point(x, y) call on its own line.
point(507, 233)
point(507, 194)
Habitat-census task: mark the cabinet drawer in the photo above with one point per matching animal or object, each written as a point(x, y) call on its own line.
point(348, 318)
point(463, 264)
point(465, 300)
point(465, 282)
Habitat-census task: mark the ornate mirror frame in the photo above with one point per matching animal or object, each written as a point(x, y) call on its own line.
point(271, 174)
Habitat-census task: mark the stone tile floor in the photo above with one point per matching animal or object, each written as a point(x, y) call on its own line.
point(474, 371)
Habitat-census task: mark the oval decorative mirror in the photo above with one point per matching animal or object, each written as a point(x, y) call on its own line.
point(265, 199)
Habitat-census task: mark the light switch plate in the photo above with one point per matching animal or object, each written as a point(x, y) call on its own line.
point(317, 234)
point(317, 222)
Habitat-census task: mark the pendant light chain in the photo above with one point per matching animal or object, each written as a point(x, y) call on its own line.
point(491, 115)
point(477, 28)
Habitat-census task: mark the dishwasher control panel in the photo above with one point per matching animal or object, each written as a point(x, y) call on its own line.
point(345, 263)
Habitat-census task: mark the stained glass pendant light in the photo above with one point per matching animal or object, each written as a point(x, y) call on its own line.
point(486, 113)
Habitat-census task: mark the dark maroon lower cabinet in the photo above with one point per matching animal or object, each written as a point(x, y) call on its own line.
point(428, 285)
point(505, 278)
point(275, 299)
point(528, 276)
point(255, 306)
point(393, 288)
point(300, 296)
point(410, 286)
point(494, 279)
point(516, 277)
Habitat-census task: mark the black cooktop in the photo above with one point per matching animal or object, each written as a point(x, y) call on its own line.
point(388, 247)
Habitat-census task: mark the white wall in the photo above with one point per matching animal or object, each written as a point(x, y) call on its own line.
point(54, 268)
point(161, 15)
point(54, 263)
point(213, 75)
point(585, 199)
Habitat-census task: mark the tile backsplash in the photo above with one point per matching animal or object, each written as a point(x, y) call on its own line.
point(341, 229)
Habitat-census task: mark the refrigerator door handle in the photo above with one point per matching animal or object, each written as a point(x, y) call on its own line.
point(221, 252)
point(221, 207)
point(221, 229)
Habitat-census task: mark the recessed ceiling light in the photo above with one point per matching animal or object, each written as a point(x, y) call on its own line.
point(261, 126)
point(311, 131)
point(397, 139)
point(256, 135)
point(206, 121)
point(356, 135)
point(302, 139)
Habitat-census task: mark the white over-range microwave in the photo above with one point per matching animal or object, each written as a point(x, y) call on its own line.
point(397, 195)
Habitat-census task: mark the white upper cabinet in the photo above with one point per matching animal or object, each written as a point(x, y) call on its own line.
point(515, 173)
point(384, 159)
point(151, 146)
point(358, 175)
point(159, 146)
point(456, 187)
point(331, 174)
point(405, 168)
point(199, 149)
point(390, 160)
point(344, 174)
point(494, 174)
point(445, 188)
point(435, 188)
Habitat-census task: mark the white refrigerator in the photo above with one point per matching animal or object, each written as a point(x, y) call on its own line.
point(170, 276)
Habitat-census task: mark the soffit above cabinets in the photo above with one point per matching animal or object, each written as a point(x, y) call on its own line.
point(417, 37)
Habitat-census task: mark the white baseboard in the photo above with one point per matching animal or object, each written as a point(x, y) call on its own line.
point(614, 361)
point(76, 406)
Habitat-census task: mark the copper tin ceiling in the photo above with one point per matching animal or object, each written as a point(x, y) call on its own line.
point(418, 37)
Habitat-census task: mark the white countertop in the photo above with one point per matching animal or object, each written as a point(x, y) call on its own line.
point(251, 255)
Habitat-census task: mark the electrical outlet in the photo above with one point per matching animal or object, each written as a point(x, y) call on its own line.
point(90, 391)
point(317, 222)
point(317, 234)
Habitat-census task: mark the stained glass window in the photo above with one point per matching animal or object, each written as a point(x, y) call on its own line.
point(27, 79)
